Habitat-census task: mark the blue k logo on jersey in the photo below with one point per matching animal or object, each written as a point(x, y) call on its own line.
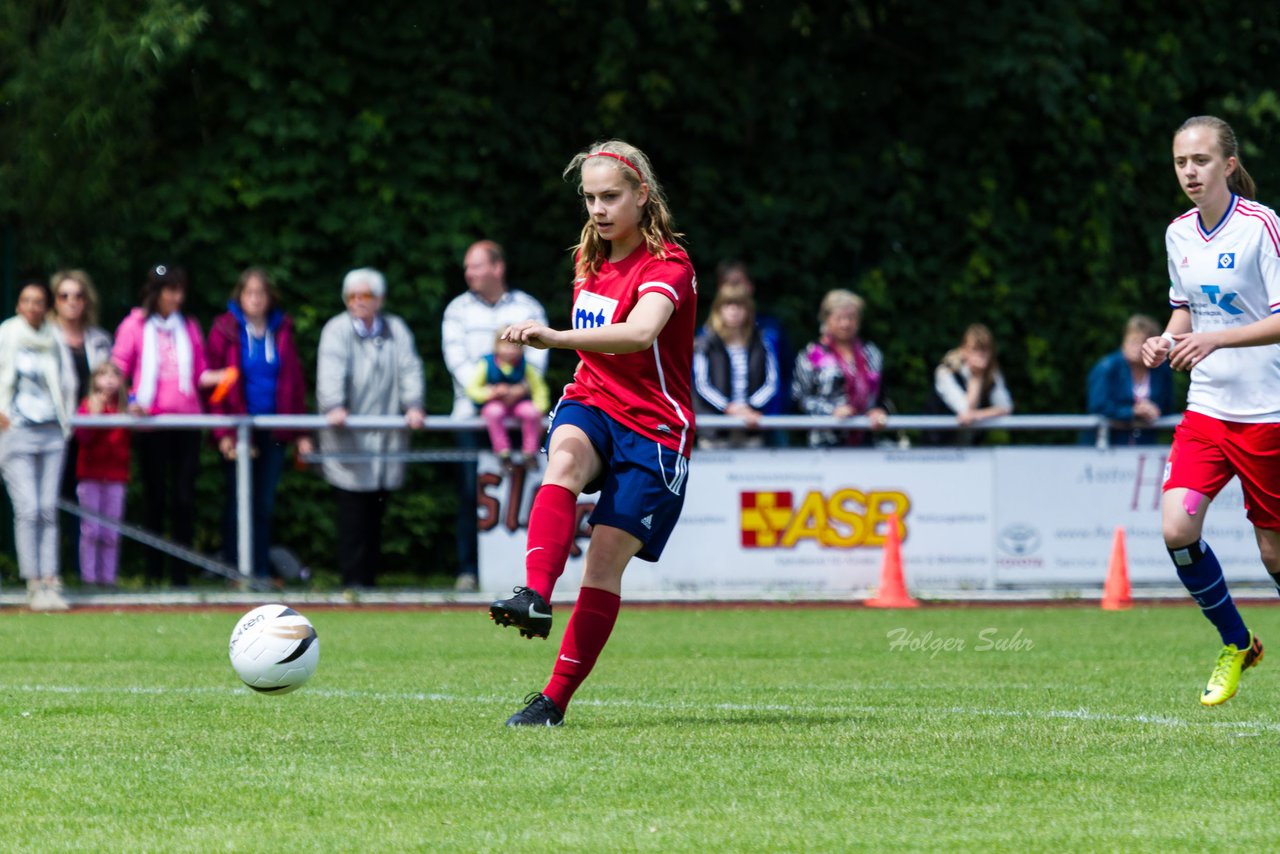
point(1218, 298)
point(1227, 261)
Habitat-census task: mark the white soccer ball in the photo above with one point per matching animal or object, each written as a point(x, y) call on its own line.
point(274, 649)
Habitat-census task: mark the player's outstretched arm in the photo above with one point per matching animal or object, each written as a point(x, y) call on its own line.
point(636, 333)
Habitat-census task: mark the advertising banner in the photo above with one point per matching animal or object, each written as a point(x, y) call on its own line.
point(800, 521)
point(785, 521)
point(1057, 510)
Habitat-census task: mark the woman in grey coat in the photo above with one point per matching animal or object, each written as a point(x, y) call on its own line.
point(367, 365)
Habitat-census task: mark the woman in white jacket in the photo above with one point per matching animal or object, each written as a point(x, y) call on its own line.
point(37, 399)
point(367, 364)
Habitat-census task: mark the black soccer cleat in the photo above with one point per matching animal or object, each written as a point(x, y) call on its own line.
point(540, 711)
point(526, 610)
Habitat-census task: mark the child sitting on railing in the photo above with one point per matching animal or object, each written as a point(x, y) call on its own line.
point(506, 385)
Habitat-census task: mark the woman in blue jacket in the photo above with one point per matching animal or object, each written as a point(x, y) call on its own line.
point(1127, 392)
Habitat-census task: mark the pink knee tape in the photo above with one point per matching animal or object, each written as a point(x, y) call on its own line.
point(1191, 502)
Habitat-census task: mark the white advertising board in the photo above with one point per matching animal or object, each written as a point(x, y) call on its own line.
point(1057, 510)
point(788, 520)
point(796, 521)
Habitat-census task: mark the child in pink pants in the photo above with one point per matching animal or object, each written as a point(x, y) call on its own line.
point(506, 385)
point(102, 469)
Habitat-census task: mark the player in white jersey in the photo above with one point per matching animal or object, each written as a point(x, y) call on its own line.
point(1224, 271)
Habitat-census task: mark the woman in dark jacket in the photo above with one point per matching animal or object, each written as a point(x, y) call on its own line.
point(735, 370)
point(256, 339)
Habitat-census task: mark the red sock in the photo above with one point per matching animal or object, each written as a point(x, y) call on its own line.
point(552, 524)
point(584, 637)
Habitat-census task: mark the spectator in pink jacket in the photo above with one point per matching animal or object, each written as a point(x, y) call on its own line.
point(255, 337)
point(161, 353)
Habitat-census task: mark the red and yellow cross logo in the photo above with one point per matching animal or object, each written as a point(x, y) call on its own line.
point(848, 518)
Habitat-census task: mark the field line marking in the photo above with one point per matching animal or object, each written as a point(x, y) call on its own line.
point(1084, 715)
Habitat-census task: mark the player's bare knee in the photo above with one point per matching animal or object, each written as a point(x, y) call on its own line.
point(569, 469)
point(1179, 532)
point(561, 466)
point(1182, 518)
point(604, 577)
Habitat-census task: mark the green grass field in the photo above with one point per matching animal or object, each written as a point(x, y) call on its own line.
point(735, 729)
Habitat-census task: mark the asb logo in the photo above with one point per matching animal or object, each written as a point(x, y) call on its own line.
point(1221, 300)
point(1227, 261)
point(847, 518)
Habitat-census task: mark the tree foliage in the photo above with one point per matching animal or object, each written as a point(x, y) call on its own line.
point(989, 162)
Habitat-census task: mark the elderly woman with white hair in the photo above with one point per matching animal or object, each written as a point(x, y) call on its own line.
point(367, 364)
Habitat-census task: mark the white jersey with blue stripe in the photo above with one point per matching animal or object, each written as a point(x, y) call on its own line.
point(1227, 276)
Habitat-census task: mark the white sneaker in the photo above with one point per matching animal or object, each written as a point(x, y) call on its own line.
point(38, 596)
point(53, 595)
point(465, 583)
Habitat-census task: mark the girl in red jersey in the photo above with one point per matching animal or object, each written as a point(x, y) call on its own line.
point(1224, 271)
point(624, 426)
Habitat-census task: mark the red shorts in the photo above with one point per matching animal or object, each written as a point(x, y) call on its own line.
point(1207, 452)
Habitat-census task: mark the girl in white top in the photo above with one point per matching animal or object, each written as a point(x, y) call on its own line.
point(970, 384)
point(1224, 272)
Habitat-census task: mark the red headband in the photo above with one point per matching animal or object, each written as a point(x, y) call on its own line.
point(617, 157)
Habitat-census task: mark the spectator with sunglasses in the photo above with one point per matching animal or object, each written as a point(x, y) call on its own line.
point(84, 346)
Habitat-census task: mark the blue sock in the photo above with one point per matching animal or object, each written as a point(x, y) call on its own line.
point(1201, 574)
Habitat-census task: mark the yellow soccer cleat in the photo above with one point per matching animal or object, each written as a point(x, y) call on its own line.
point(1226, 673)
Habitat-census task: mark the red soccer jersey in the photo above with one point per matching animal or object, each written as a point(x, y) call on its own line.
point(648, 391)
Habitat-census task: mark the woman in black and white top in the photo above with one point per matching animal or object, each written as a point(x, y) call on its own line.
point(85, 345)
point(735, 371)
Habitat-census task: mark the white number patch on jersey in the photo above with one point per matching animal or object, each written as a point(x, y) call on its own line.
point(591, 311)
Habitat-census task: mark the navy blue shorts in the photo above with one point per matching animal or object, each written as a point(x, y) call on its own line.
point(642, 485)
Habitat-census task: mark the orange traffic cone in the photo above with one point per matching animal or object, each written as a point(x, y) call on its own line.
point(1115, 594)
point(893, 589)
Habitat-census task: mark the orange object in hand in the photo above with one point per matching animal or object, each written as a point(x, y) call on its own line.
point(229, 377)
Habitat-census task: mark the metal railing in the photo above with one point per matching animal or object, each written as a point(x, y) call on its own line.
point(244, 425)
